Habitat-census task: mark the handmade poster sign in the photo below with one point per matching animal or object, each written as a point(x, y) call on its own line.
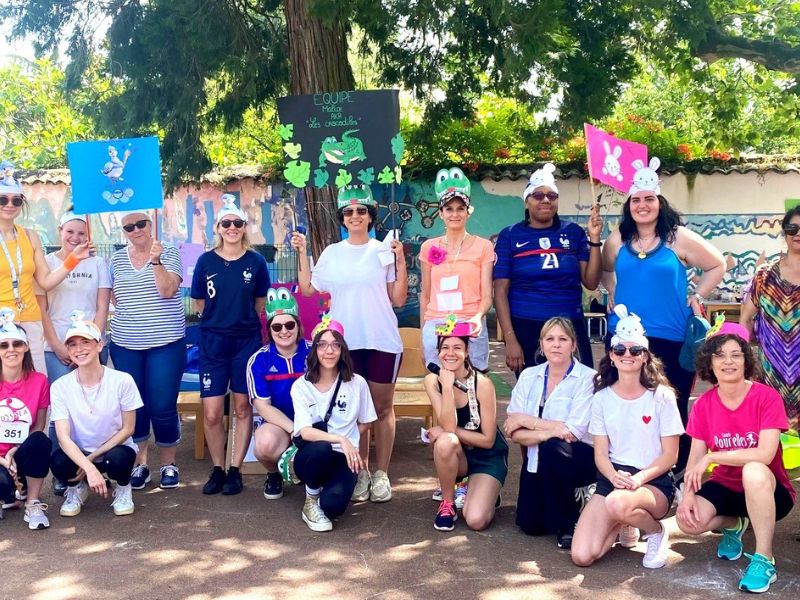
point(114, 175)
point(341, 138)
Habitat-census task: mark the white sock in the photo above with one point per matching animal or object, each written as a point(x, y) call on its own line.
point(312, 491)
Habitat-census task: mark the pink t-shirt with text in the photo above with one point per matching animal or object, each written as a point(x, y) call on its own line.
point(723, 429)
point(22, 400)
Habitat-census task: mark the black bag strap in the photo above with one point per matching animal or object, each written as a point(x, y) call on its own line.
point(333, 400)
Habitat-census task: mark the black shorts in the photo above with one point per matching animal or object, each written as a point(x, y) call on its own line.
point(375, 365)
point(730, 503)
point(223, 362)
point(663, 483)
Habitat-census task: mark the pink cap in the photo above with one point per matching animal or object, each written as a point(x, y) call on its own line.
point(722, 326)
point(326, 324)
point(452, 327)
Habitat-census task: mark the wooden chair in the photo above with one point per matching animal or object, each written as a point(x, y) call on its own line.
point(410, 399)
point(189, 402)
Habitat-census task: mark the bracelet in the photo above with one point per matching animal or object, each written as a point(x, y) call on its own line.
point(155, 264)
point(71, 262)
point(596, 244)
point(699, 298)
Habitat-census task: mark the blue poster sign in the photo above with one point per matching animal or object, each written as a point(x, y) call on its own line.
point(115, 175)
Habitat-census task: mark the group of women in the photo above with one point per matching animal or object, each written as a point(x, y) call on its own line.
point(624, 430)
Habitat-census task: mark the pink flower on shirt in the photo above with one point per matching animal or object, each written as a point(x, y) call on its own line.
point(436, 255)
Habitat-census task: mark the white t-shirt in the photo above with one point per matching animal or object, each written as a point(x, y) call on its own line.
point(353, 406)
point(77, 292)
point(635, 427)
point(94, 414)
point(570, 402)
point(356, 280)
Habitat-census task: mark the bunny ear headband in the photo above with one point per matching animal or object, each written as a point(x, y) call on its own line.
point(229, 208)
point(82, 328)
point(543, 176)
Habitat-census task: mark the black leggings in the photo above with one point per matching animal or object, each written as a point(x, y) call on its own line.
point(527, 332)
point(32, 459)
point(546, 502)
point(318, 465)
point(117, 463)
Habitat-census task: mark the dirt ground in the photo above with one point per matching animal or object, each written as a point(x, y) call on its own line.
point(180, 544)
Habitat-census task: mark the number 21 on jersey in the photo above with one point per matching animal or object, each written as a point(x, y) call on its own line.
point(550, 261)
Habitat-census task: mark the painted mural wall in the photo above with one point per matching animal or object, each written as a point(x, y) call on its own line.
point(739, 213)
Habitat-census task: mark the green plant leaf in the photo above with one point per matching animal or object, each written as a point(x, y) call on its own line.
point(297, 173)
point(343, 178)
point(386, 176)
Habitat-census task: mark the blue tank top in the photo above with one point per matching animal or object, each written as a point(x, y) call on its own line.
point(654, 288)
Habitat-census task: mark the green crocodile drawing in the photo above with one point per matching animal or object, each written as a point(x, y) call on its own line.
point(349, 150)
point(450, 182)
point(280, 302)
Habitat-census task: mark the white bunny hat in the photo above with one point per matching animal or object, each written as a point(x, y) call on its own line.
point(8, 330)
point(543, 176)
point(82, 328)
point(645, 179)
point(629, 328)
point(229, 208)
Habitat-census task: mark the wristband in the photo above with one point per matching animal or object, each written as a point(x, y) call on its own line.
point(71, 262)
point(596, 244)
point(155, 264)
point(699, 298)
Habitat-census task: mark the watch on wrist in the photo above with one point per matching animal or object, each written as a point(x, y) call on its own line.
point(699, 298)
point(155, 263)
point(595, 244)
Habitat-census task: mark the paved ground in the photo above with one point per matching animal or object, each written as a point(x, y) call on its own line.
point(181, 544)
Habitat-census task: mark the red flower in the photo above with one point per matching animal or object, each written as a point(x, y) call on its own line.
point(436, 255)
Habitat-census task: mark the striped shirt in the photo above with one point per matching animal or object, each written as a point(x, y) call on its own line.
point(143, 319)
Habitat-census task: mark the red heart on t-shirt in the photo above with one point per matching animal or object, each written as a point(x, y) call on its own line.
point(646, 419)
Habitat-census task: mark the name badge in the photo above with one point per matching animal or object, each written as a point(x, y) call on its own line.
point(14, 433)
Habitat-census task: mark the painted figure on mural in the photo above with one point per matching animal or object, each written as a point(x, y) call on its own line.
point(282, 219)
point(199, 222)
point(256, 220)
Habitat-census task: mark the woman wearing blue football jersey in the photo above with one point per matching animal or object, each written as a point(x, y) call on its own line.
point(270, 374)
point(229, 288)
point(541, 264)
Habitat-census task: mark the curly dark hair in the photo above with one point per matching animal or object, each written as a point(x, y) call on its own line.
point(651, 376)
point(345, 364)
point(705, 354)
point(666, 225)
point(372, 211)
point(792, 212)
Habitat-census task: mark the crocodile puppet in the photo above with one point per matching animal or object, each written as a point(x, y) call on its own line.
point(450, 183)
point(349, 150)
point(280, 302)
point(355, 194)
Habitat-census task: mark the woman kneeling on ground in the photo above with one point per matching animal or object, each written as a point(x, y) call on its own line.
point(270, 374)
point(636, 426)
point(736, 425)
point(466, 440)
point(332, 410)
point(94, 409)
point(24, 398)
point(548, 415)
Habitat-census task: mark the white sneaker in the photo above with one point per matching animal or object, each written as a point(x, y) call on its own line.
point(314, 516)
point(460, 496)
point(363, 484)
point(381, 488)
point(123, 500)
point(36, 515)
point(657, 548)
point(74, 499)
point(628, 536)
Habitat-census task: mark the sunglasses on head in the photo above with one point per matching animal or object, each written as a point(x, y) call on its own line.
point(790, 229)
point(277, 327)
point(620, 350)
point(13, 344)
point(14, 200)
point(237, 223)
point(138, 225)
point(539, 196)
point(359, 210)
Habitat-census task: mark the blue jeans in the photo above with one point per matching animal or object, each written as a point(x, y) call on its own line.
point(157, 373)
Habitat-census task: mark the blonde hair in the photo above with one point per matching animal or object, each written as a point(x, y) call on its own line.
point(562, 322)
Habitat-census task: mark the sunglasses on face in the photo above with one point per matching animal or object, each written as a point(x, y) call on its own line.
point(620, 350)
point(237, 223)
point(15, 344)
point(539, 196)
point(349, 212)
point(14, 200)
point(278, 327)
point(138, 225)
point(791, 229)
point(335, 346)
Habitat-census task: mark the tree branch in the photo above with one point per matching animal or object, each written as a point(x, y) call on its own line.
point(773, 54)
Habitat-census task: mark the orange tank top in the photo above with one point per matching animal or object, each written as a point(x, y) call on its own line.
point(30, 310)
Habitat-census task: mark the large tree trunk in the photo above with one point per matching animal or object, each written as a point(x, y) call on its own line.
point(318, 63)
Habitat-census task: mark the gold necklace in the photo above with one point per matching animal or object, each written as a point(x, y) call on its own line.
point(642, 253)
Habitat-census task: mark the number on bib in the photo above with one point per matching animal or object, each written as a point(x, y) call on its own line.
point(550, 261)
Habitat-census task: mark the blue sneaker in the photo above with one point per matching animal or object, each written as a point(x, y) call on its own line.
point(760, 574)
point(446, 517)
point(140, 477)
point(170, 477)
point(730, 546)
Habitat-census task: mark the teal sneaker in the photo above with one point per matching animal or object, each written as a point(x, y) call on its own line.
point(760, 574)
point(730, 546)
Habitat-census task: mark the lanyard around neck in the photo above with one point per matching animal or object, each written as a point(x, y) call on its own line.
point(543, 401)
point(16, 272)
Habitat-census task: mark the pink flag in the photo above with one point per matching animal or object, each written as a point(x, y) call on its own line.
point(610, 159)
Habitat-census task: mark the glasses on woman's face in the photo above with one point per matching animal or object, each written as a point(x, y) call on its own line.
point(358, 210)
point(621, 349)
point(335, 346)
point(278, 327)
point(13, 200)
point(226, 223)
point(734, 356)
point(16, 344)
point(791, 229)
point(138, 225)
point(539, 196)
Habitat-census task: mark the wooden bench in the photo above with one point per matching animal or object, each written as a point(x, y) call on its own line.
point(410, 398)
point(189, 402)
